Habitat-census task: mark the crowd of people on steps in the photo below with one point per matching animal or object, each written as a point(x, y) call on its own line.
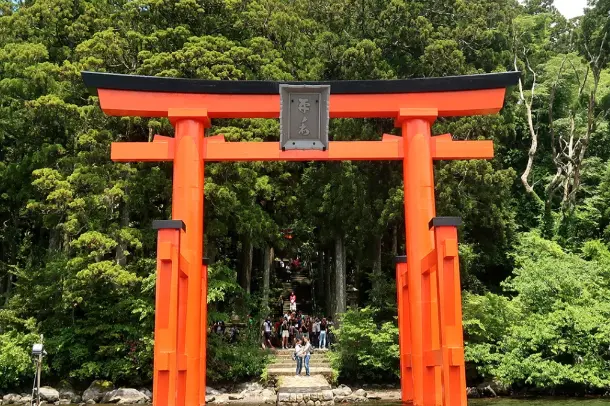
point(294, 326)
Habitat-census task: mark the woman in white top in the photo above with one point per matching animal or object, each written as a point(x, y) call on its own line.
point(305, 354)
point(299, 360)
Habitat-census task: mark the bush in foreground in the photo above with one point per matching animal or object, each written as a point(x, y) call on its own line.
point(234, 362)
point(553, 333)
point(365, 349)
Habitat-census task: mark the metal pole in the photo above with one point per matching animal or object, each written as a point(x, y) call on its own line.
point(38, 372)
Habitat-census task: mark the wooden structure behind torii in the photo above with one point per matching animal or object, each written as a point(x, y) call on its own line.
point(427, 278)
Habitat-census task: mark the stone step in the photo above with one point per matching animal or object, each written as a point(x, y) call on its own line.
point(293, 364)
point(300, 390)
point(314, 357)
point(289, 361)
point(285, 371)
point(302, 384)
point(289, 351)
point(317, 360)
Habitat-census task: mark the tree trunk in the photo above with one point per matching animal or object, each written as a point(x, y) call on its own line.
point(531, 154)
point(328, 284)
point(210, 250)
point(377, 262)
point(340, 276)
point(377, 276)
point(357, 284)
point(267, 263)
point(245, 276)
point(54, 240)
point(395, 241)
point(320, 280)
point(9, 287)
point(121, 249)
point(2, 291)
point(249, 258)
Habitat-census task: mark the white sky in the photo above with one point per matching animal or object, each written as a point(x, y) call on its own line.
point(571, 8)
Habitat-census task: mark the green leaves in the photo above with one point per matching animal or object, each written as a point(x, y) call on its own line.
point(221, 282)
point(235, 362)
point(16, 338)
point(552, 332)
point(366, 350)
point(76, 246)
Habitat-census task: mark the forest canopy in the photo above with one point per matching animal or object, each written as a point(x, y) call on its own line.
point(77, 252)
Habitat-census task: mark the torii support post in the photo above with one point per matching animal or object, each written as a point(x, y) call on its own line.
point(419, 208)
point(165, 375)
point(404, 328)
point(450, 299)
point(187, 204)
point(190, 104)
point(181, 297)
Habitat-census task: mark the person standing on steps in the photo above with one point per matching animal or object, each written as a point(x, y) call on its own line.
point(306, 355)
point(234, 334)
point(305, 329)
point(293, 302)
point(330, 336)
point(297, 358)
point(277, 330)
point(315, 331)
point(267, 332)
point(323, 328)
point(298, 334)
point(293, 332)
point(280, 304)
point(285, 334)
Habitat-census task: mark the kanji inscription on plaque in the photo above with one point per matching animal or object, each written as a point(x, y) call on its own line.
point(304, 116)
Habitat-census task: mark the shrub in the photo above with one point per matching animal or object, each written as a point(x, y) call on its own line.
point(553, 332)
point(15, 345)
point(234, 362)
point(242, 360)
point(366, 350)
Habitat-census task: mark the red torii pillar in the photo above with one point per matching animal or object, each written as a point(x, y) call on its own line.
point(450, 308)
point(181, 298)
point(418, 175)
point(429, 308)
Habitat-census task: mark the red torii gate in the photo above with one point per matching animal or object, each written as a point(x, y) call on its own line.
point(427, 278)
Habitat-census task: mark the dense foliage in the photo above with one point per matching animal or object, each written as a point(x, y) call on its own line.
point(552, 331)
point(366, 350)
point(236, 362)
point(77, 252)
point(14, 348)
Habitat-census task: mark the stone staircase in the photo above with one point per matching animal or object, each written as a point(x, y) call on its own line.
point(302, 390)
point(310, 391)
point(313, 390)
point(283, 365)
point(301, 285)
